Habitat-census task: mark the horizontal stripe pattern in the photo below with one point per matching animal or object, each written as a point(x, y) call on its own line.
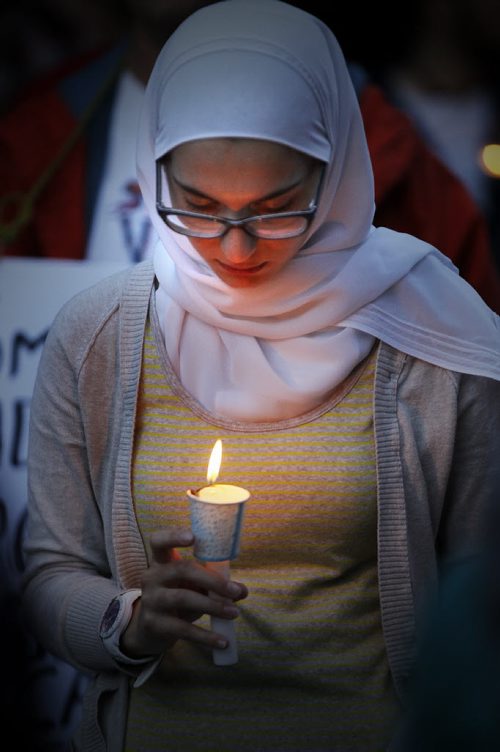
point(309, 634)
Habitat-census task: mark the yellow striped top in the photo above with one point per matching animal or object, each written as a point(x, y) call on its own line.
point(312, 672)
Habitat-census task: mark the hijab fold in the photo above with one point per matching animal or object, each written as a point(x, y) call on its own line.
point(263, 69)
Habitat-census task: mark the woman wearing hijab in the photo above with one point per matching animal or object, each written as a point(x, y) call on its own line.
point(351, 373)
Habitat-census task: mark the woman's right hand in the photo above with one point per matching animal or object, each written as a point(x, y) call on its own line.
point(175, 592)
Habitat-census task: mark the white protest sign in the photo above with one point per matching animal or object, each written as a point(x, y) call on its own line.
point(31, 293)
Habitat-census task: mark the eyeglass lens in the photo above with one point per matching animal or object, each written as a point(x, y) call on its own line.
point(264, 227)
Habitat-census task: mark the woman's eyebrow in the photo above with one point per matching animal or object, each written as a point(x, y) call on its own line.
point(273, 194)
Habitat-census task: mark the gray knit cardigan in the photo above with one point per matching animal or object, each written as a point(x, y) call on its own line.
point(437, 448)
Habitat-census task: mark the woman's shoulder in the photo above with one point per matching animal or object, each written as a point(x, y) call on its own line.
point(108, 293)
point(417, 375)
point(87, 312)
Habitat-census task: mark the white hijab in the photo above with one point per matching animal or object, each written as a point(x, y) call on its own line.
point(267, 70)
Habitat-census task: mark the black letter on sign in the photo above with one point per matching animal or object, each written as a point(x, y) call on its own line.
point(20, 340)
point(19, 439)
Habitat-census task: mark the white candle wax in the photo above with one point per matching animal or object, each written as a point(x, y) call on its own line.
point(222, 493)
point(229, 655)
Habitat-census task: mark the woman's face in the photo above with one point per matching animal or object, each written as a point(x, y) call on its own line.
point(238, 178)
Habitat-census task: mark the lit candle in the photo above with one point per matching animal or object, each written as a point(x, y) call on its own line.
point(216, 517)
point(220, 493)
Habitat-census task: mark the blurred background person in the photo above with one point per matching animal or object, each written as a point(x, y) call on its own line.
point(439, 61)
point(36, 36)
point(389, 48)
point(449, 83)
point(67, 149)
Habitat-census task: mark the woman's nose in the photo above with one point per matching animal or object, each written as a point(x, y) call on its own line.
point(237, 245)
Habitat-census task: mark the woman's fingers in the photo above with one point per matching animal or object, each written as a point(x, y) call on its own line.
point(166, 615)
point(176, 591)
point(179, 629)
point(152, 629)
point(192, 576)
point(164, 542)
point(184, 605)
point(178, 572)
point(187, 590)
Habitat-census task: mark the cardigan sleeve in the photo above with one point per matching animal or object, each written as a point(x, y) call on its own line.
point(438, 443)
point(473, 490)
point(457, 664)
point(67, 582)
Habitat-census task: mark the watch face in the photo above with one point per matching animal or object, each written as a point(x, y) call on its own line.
point(110, 616)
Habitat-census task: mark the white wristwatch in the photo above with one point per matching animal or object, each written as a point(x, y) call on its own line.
point(114, 622)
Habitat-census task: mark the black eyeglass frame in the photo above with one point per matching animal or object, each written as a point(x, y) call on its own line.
point(165, 211)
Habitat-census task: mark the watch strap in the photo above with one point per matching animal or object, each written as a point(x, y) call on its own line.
point(114, 622)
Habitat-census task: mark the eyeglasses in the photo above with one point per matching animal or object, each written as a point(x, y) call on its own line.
point(277, 226)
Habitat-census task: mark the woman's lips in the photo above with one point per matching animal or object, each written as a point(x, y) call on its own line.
point(242, 270)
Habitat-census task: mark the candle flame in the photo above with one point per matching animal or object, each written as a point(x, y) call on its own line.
point(214, 462)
